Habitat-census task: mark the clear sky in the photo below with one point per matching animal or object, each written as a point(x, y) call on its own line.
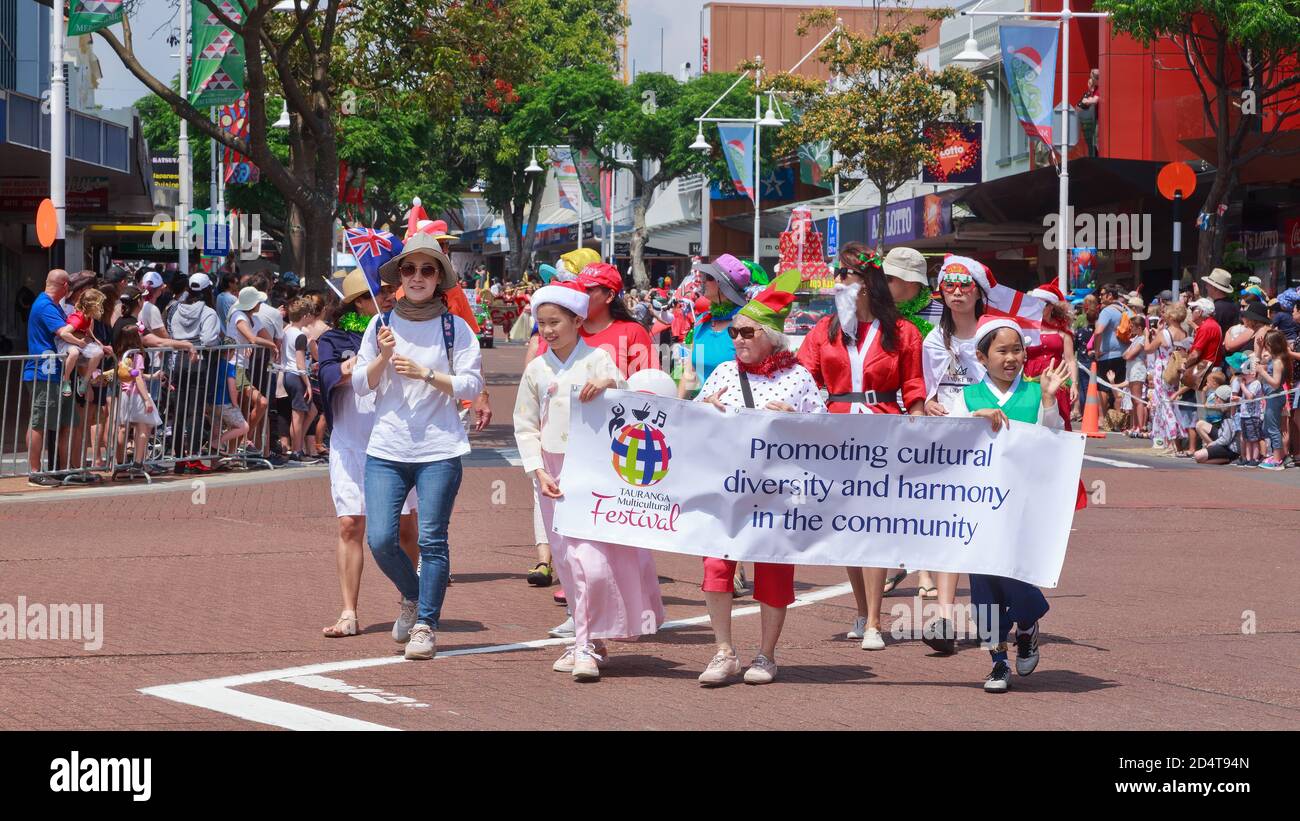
point(674, 22)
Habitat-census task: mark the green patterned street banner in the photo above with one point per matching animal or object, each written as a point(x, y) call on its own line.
point(815, 163)
point(86, 16)
point(588, 167)
point(217, 60)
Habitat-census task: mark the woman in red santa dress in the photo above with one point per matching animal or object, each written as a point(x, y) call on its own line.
point(1055, 344)
point(867, 357)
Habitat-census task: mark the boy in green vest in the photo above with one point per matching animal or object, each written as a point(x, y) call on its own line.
point(1004, 395)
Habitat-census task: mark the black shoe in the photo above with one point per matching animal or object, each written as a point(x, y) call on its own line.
point(44, 480)
point(999, 681)
point(541, 575)
point(277, 460)
point(1027, 650)
point(940, 636)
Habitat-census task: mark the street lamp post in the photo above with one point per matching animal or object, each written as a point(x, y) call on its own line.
point(1065, 233)
point(534, 168)
point(767, 120)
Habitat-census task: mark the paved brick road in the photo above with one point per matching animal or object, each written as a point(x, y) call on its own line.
point(1145, 630)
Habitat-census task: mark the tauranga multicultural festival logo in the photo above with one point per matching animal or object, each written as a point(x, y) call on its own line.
point(640, 451)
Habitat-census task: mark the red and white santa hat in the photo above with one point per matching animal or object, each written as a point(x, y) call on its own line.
point(992, 324)
point(568, 295)
point(1048, 292)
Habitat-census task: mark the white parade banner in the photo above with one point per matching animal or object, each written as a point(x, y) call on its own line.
point(856, 490)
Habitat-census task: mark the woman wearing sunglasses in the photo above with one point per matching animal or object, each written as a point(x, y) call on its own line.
point(866, 356)
point(416, 362)
point(764, 375)
point(951, 363)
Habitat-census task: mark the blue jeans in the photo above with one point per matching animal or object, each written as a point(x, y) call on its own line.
point(436, 484)
point(1273, 406)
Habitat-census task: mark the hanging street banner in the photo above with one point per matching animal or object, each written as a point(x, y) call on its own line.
point(1029, 61)
point(958, 149)
point(87, 16)
point(852, 490)
point(233, 119)
point(217, 58)
point(815, 164)
point(738, 148)
point(587, 167)
point(566, 179)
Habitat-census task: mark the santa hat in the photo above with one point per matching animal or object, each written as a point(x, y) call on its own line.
point(567, 295)
point(973, 268)
point(1048, 292)
point(772, 306)
point(989, 324)
point(414, 217)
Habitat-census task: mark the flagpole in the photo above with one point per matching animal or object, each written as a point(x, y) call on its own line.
point(58, 138)
point(758, 179)
point(183, 149)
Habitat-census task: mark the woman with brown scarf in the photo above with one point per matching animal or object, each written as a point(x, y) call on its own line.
point(416, 362)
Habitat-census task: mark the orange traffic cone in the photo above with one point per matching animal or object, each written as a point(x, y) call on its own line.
point(1092, 409)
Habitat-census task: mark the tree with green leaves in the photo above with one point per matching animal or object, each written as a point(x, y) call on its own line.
point(1245, 58)
point(645, 128)
point(430, 50)
point(875, 115)
point(555, 36)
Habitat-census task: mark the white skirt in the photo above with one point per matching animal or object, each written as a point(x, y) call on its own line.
point(348, 483)
point(132, 410)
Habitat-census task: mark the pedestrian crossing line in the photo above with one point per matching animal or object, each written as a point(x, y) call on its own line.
point(219, 695)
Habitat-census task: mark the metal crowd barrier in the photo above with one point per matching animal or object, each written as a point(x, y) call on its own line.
point(88, 435)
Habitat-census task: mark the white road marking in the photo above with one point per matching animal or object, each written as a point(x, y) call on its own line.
point(372, 695)
point(218, 695)
point(1115, 462)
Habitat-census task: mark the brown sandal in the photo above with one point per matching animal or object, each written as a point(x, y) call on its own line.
point(345, 626)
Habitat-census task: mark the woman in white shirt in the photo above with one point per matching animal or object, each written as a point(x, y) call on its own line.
point(950, 362)
point(417, 363)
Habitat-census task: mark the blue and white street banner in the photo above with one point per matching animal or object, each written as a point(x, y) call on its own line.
point(832, 237)
point(738, 148)
point(852, 490)
point(1029, 61)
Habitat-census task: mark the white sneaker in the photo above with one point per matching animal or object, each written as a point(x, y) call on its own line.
point(585, 667)
point(873, 640)
point(762, 670)
point(859, 628)
point(563, 630)
point(422, 644)
point(564, 664)
point(405, 621)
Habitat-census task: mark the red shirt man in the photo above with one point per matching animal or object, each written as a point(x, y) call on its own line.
point(1207, 345)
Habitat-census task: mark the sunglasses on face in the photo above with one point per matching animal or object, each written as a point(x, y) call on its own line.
point(741, 333)
point(408, 269)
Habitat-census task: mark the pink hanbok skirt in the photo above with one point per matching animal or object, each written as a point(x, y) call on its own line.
point(613, 590)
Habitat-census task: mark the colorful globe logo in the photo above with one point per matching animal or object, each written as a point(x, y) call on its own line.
point(640, 454)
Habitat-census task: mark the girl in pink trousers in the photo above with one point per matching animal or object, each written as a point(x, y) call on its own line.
point(612, 589)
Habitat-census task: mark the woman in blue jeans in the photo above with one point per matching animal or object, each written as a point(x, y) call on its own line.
point(417, 362)
point(1275, 367)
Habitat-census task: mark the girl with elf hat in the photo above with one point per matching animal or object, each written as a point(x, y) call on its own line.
point(612, 588)
point(764, 374)
point(868, 357)
point(1005, 394)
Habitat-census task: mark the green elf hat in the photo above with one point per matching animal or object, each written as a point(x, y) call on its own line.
point(757, 273)
point(772, 305)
